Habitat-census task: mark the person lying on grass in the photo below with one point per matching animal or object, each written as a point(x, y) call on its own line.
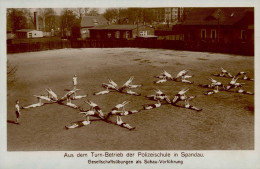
point(52, 95)
point(120, 122)
point(152, 106)
point(159, 96)
point(70, 104)
point(244, 76)
point(78, 124)
point(188, 106)
point(224, 73)
point(182, 76)
point(182, 97)
point(213, 84)
point(36, 104)
point(94, 106)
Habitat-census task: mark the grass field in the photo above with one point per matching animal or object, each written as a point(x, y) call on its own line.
point(226, 122)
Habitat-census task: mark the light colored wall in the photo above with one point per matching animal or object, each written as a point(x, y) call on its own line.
point(35, 34)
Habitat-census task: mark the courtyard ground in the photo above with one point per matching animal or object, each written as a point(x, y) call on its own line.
point(226, 122)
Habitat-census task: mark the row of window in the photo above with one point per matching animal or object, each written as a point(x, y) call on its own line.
point(204, 35)
point(127, 34)
point(214, 34)
point(117, 35)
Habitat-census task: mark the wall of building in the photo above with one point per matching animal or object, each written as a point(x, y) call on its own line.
point(110, 34)
point(35, 34)
point(21, 35)
point(30, 34)
point(149, 30)
point(84, 33)
point(171, 15)
point(224, 34)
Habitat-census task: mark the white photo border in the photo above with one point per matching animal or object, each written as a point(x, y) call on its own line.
point(237, 159)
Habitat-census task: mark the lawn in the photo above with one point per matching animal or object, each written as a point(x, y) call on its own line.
point(225, 123)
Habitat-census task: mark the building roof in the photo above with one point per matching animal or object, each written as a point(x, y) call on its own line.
point(25, 30)
point(116, 27)
point(10, 36)
point(148, 36)
point(91, 21)
point(216, 16)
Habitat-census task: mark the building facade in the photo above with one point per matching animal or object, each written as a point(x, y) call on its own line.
point(90, 22)
point(28, 33)
point(168, 15)
point(121, 31)
point(222, 25)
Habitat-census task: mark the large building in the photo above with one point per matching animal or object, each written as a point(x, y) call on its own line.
point(88, 22)
point(168, 15)
point(223, 25)
point(121, 31)
point(28, 33)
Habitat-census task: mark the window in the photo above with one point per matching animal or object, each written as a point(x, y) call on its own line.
point(117, 34)
point(127, 34)
point(30, 35)
point(243, 35)
point(95, 22)
point(213, 34)
point(143, 33)
point(87, 33)
point(203, 34)
point(109, 35)
point(192, 36)
point(181, 37)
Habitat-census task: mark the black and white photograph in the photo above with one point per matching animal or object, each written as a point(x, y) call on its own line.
point(118, 78)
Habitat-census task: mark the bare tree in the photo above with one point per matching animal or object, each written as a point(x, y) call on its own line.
point(117, 15)
point(29, 17)
point(93, 12)
point(50, 19)
point(11, 74)
point(68, 20)
point(80, 12)
point(46, 18)
point(16, 19)
point(111, 14)
point(129, 15)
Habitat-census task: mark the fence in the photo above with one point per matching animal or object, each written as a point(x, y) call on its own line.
point(37, 44)
point(17, 46)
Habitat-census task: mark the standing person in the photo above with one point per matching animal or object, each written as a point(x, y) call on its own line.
point(17, 112)
point(75, 82)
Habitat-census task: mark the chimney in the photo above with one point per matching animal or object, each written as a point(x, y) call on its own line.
point(179, 14)
point(36, 21)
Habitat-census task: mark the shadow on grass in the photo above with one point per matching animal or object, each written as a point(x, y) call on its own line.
point(250, 108)
point(179, 63)
point(163, 62)
point(12, 122)
point(202, 59)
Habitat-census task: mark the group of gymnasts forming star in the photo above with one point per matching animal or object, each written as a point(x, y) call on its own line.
point(111, 86)
point(96, 111)
point(119, 110)
point(182, 76)
point(180, 96)
point(233, 84)
point(50, 98)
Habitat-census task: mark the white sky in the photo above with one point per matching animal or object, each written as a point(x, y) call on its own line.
point(49, 159)
point(58, 10)
point(100, 10)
